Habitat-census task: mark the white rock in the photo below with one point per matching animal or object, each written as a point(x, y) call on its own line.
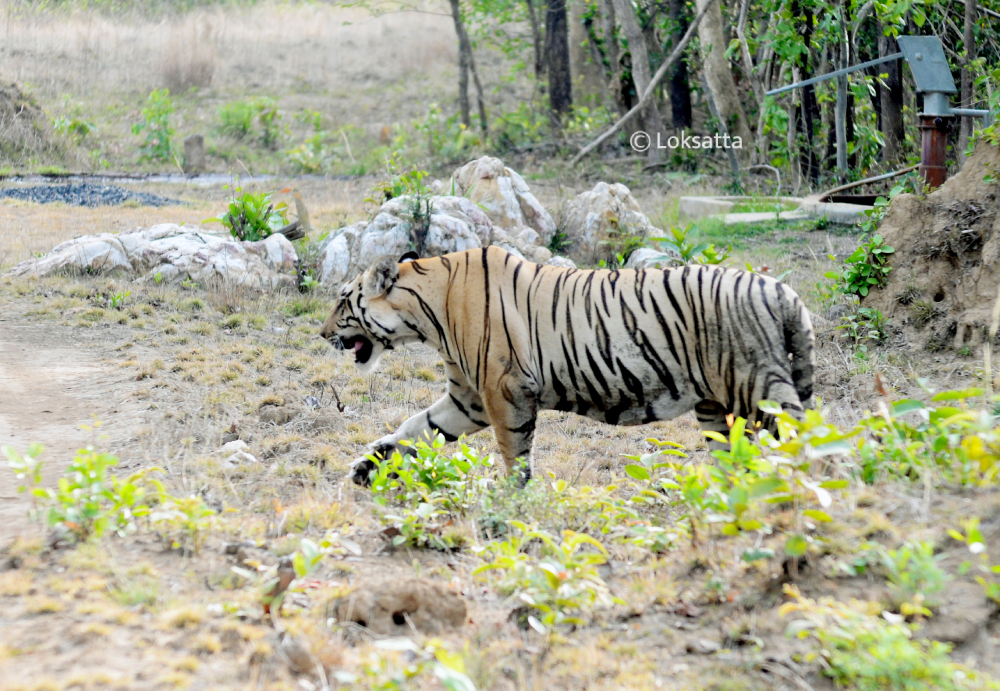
point(229, 448)
point(455, 224)
point(561, 262)
point(504, 195)
point(170, 252)
point(650, 258)
point(606, 212)
point(529, 236)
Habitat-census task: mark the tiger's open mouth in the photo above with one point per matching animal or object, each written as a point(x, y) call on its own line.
point(361, 346)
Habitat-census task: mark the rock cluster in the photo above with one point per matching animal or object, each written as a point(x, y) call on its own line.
point(168, 253)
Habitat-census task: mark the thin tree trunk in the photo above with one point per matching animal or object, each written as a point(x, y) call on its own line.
point(968, 97)
point(719, 77)
point(679, 85)
point(810, 106)
point(557, 58)
point(479, 90)
point(841, 112)
point(463, 64)
point(891, 100)
point(794, 158)
point(641, 74)
point(536, 37)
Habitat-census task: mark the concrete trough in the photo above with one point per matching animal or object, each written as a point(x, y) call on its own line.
point(839, 209)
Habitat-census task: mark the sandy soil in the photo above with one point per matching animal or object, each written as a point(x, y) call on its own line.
point(51, 383)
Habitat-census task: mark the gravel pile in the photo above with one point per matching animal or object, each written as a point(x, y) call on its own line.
point(84, 194)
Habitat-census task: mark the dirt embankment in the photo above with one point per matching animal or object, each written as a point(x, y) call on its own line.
point(946, 268)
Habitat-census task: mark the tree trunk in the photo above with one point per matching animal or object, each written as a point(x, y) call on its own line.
point(968, 97)
point(557, 57)
point(463, 64)
point(840, 117)
point(641, 74)
point(679, 85)
point(536, 37)
point(479, 89)
point(891, 98)
point(810, 106)
point(719, 77)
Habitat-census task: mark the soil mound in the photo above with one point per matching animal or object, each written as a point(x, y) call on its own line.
point(397, 607)
point(946, 268)
point(23, 128)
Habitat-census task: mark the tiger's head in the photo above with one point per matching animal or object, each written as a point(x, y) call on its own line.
point(365, 320)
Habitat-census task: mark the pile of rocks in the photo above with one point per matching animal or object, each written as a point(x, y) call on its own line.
point(168, 253)
point(483, 203)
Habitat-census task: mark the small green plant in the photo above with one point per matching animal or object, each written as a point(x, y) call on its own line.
point(156, 126)
point(560, 242)
point(78, 128)
point(403, 664)
point(311, 156)
point(184, 521)
point(689, 252)
point(866, 325)
point(117, 300)
point(28, 472)
point(399, 183)
point(924, 311)
point(989, 574)
point(860, 650)
point(866, 268)
point(914, 574)
point(89, 500)
point(252, 216)
point(236, 119)
point(560, 585)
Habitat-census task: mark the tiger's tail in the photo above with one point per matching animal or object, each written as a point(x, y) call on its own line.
point(800, 344)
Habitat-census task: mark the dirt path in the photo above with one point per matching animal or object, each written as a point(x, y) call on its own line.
point(51, 384)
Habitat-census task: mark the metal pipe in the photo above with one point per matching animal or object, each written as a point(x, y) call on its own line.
point(836, 73)
point(933, 147)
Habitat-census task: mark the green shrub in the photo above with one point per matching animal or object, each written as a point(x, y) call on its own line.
point(251, 215)
point(913, 572)
point(866, 268)
point(560, 584)
point(156, 125)
point(862, 651)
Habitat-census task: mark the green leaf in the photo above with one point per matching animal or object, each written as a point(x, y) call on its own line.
point(637, 472)
point(905, 406)
point(752, 555)
point(796, 546)
point(765, 486)
point(816, 515)
point(957, 394)
point(834, 484)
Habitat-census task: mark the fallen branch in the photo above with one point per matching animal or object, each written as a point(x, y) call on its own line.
point(884, 176)
point(293, 231)
point(648, 93)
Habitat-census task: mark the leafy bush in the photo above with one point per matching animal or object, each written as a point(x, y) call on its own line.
point(688, 251)
point(184, 521)
point(560, 584)
point(865, 325)
point(88, 499)
point(156, 125)
point(866, 268)
point(989, 574)
point(914, 574)
point(862, 651)
point(236, 119)
point(421, 492)
point(252, 215)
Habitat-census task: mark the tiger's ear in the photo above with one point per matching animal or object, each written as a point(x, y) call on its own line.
point(409, 257)
point(380, 277)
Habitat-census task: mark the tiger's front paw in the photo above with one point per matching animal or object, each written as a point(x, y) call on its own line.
point(361, 471)
point(363, 468)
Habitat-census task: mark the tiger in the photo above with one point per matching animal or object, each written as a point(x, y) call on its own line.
point(625, 346)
